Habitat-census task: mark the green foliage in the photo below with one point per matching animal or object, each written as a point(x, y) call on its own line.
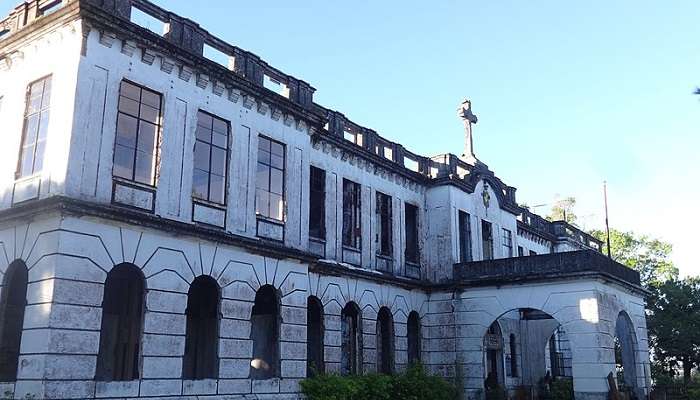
point(674, 325)
point(496, 393)
point(563, 210)
point(562, 389)
point(414, 384)
point(650, 256)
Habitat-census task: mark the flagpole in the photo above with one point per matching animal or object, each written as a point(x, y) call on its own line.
point(607, 225)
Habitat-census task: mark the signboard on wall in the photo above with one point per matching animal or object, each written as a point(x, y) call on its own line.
point(493, 341)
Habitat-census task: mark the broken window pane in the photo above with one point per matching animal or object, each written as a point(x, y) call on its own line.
point(270, 179)
point(12, 304)
point(210, 159)
point(487, 239)
point(412, 252)
point(120, 335)
point(201, 359)
point(385, 228)
point(465, 237)
point(317, 203)
point(36, 120)
point(352, 232)
point(265, 334)
point(138, 130)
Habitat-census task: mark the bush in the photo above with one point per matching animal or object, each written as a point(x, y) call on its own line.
point(562, 389)
point(413, 384)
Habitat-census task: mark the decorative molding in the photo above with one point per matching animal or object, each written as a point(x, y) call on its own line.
point(202, 80)
point(128, 48)
point(288, 120)
point(233, 95)
point(248, 102)
point(218, 88)
point(107, 38)
point(185, 73)
point(166, 65)
point(148, 56)
point(263, 108)
point(276, 114)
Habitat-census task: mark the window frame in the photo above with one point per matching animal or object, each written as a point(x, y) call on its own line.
point(322, 194)
point(157, 138)
point(415, 258)
point(25, 119)
point(355, 240)
point(269, 165)
point(465, 246)
point(507, 237)
point(487, 240)
point(229, 138)
point(385, 220)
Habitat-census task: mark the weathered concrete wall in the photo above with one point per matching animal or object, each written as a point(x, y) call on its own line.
point(56, 53)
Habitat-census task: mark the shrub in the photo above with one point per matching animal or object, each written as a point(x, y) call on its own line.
point(413, 384)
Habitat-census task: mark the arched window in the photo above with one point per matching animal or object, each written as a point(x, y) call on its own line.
point(385, 341)
point(12, 304)
point(414, 338)
point(351, 344)
point(513, 356)
point(122, 316)
point(314, 336)
point(625, 352)
point(201, 359)
point(265, 334)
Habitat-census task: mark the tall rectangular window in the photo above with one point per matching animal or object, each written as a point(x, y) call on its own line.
point(317, 203)
point(210, 159)
point(465, 237)
point(487, 239)
point(412, 252)
point(138, 131)
point(352, 215)
point(384, 222)
point(36, 124)
point(269, 198)
point(507, 243)
point(521, 251)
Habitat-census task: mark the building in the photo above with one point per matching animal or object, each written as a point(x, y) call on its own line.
point(179, 218)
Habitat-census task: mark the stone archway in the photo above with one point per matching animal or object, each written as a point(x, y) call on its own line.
point(525, 350)
point(625, 347)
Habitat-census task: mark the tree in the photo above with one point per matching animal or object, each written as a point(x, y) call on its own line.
point(674, 325)
point(563, 210)
point(650, 256)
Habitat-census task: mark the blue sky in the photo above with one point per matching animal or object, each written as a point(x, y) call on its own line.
point(568, 94)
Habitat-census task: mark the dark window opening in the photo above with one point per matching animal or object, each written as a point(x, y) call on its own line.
point(521, 251)
point(269, 193)
point(210, 159)
point(138, 134)
point(352, 214)
point(122, 316)
point(507, 243)
point(513, 357)
point(385, 221)
point(317, 203)
point(314, 336)
point(12, 304)
point(201, 359)
point(414, 338)
point(385, 341)
point(351, 346)
point(487, 239)
point(533, 253)
point(36, 126)
point(412, 252)
point(465, 237)
point(264, 332)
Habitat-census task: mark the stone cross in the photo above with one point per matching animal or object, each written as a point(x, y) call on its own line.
point(465, 113)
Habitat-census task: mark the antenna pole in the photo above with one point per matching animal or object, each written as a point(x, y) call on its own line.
point(607, 225)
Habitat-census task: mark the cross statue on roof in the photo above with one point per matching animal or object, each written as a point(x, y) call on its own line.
point(465, 113)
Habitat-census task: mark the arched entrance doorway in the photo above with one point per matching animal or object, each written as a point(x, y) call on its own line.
point(525, 352)
point(625, 344)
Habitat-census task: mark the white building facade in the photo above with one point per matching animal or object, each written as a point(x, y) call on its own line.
point(179, 219)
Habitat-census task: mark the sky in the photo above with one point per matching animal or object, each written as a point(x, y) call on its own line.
point(568, 94)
